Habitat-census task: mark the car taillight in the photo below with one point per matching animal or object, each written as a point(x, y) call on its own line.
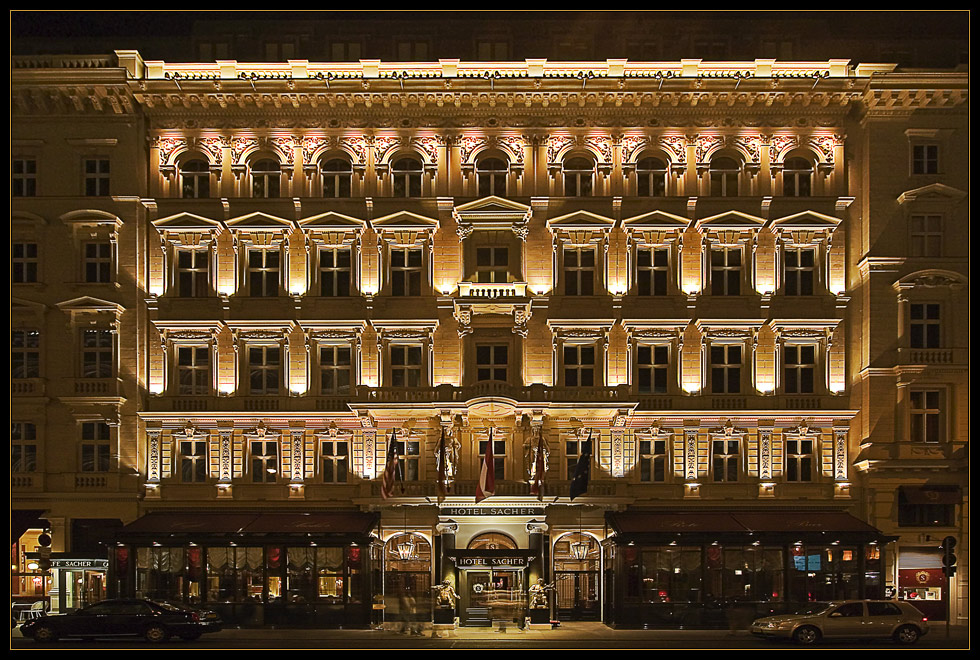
point(195, 616)
point(925, 618)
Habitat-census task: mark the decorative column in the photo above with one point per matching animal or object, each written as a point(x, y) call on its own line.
point(296, 486)
point(842, 487)
point(368, 439)
point(691, 486)
point(224, 462)
point(766, 486)
point(153, 471)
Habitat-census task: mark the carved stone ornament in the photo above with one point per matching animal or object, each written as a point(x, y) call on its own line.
point(189, 334)
point(347, 335)
point(190, 431)
point(934, 281)
point(333, 432)
point(449, 454)
point(630, 145)
point(261, 431)
point(534, 440)
point(729, 430)
point(676, 145)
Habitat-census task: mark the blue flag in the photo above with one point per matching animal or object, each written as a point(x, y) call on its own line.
point(583, 469)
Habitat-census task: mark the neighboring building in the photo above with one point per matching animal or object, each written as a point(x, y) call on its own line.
point(240, 289)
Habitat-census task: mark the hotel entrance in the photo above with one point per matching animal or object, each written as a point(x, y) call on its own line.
point(490, 595)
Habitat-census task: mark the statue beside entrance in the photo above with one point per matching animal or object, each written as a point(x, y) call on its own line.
point(446, 599)
point(537, 594)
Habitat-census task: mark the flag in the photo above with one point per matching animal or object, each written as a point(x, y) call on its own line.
point(441, 476)
point(485, 486)
point(580, 480)
point(391, 473)
point(537, 484)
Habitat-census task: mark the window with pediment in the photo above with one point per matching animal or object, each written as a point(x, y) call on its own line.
point(193, 459)
point(926, 235)
point(264, 272)
point(264, 369)
point(799, 270)
point(725, 458)
point(23, 447)
point(97, 261)
point(725, 367)
point(407, 271)
point(264, 460)
point(800, 458)
point(652, 270)
point(98, 353)
point(652, 456)
point(95, 448)
point(800, 368)
point(579, 271)
point(726, 270)
point(578, 173)
point(334, 271)
point(407, 367)
point(578, 365)
point(192, 272)
point(25, 353)
point(652, 368)
point(334, 460)
point(193, 366)
point(336, 368)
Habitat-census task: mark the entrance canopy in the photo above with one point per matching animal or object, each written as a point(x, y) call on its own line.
point(781, 525)
point(180, 527)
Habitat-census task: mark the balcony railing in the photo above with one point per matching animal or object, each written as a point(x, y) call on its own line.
point(27, 387)
point(94, 386)
point(934, 356)
point(493, 289)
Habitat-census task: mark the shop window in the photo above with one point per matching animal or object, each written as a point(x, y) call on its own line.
point(193, 370)
point(264, 364)
point(195, 179)
point(919, 512)
point(23, 181)
point(408, 566)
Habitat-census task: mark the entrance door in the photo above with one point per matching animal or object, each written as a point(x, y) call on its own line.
point(475, 609)
point(577, 595)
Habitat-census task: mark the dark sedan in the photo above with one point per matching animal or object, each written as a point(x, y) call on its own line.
point(155, 621)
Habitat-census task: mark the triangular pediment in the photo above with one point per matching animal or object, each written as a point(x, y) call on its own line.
point(731, 220)
point(492, 208)
point(187, 222)
point(89, 304)
point(656, 221)
point(933, 192)
point(579, 220)
point(806, 221)
point(20, 305)
point(332, 221)
point(259, 221)
point(405, 221)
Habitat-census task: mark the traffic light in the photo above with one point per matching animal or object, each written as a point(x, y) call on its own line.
point(949, 559)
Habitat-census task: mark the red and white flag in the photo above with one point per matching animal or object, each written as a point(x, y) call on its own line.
point(485, 486)
point(390, 475)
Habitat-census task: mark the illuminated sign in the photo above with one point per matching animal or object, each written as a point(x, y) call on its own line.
point(529, 511)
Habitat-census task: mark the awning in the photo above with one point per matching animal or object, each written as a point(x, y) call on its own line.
point(22, 520)
point(777, 526)
point(194, 526)
point(931, 494)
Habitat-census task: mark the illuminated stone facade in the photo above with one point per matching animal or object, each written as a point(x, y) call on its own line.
point(714, 270)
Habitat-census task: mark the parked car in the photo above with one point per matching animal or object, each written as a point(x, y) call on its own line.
point(155, 621)
point(861, 619)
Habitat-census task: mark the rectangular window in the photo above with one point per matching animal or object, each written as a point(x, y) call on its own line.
point(491, 51)
point(23, 447)
point(653, 461)
point(192, 273)
point(412, 51)
point(334, 272)
point(25, 354)
point(579, 271)
point(24, 263)
point(24, 178)
point(406, 271)
point(98, 261)
point(265, 460)
point(95, 447)
point(726, 271)
point(335, 369)
point(97, 354)
point(579, 365)
point(263, 369)
point(724, 459)
point(193, 370)
point(726, 368)
point(345, 51)
point(194, 461)
point(96, 177)
point(925, 159)
point(651, 364)
point(334, 454)
point(492, 264)
point(926, 235)
point(924, 326)
point(409, 452)
point(799, 459)
point(491, 362)
point(799, 366)
point(652, 269)
point(406, 365)
point(798, 273)
point(499, 457)
point(926, 416)
point(263, 273)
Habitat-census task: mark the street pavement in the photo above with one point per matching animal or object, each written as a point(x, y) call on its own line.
point(570, 635)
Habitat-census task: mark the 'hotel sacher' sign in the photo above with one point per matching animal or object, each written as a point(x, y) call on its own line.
point(530, 511)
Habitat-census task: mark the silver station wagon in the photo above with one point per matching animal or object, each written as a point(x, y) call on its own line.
point(852, 619)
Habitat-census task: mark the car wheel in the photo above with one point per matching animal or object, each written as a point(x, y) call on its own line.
point(190, 637)
point(156, 634)
point(44, 634)
point(806, 635)
point(907, 635)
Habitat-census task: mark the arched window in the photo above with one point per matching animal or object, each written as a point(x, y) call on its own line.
point(579, 174)
point(797, 176)
point(266, 175)
point(195, 179)
point(576, 575)
point(406, 177)
point(337, 174)
point(651, 177)
point(723, 173)
point(491, 177)
point(492, 541)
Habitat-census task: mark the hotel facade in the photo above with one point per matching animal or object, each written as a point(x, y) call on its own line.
point(737, 289)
